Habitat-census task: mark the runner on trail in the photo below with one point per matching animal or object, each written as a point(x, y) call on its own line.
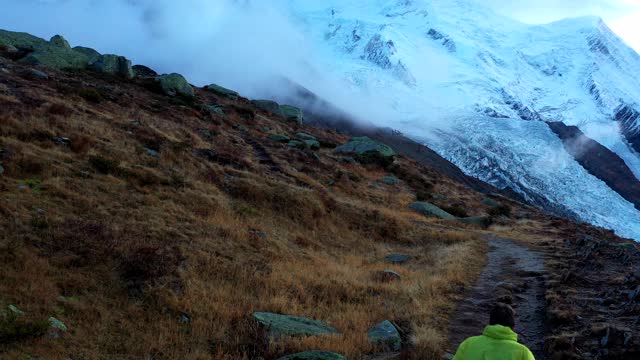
point(498, 341)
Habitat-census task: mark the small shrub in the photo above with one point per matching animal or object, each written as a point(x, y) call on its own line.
point(456, 210)
point(502, 210)
point(91, 95)
point(104, 165)
point(80, 144)
point(13, 329)
point(60, 110)
point(33, 184)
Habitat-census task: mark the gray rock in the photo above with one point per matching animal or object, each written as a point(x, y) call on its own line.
point(62, 141)
point(368, 151)
point(297, 144)
point(482, 221)
point(287, 325)
point(389, 180)
point(268, 106)
point(113, 65)
point(222, 91)
point(60, 41)
point(430, 210)
point(397, 259)
point(292, 113)
point(175, 85)
point(143, 71)
point(304, 136)
point(15, 311)
point(314, 355)
point(216, 109)
point(56, 328)
point(386, 335)
point(152, 152)
point(279, 138)
point(312, 144)
point(35, 74)
point(91, 54)
point(1, 169)
point(55, 54)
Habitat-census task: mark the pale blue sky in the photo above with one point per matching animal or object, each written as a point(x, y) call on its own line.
point(623, 16)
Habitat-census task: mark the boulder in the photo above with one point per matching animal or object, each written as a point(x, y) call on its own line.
point(143, 71)
point(287, 325)
point(312, 144)
point(113, 65)
point(34, 74)
point(216, 109)
point(222, 91)
point(60, 41)
point(91, 54)
point(268, 106)
point(386, 335)
point(292, 113)
point(314, 355)
point(389, 180)
point(56, 328)
point(304, 136)
point(397, 259)
point(430, 210)
point(175, 85)
point(368, 151)
point(280, 138)
point(297, 144)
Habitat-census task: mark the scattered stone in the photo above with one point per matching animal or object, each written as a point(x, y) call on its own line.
point(280, 138)
point(34, 74)
point(268, 106)
point(60, 41)
point(312, 144)
point(387, 276)
point(304, 136)
point(490, 202)
point(389, 180)
point(175, 85)
point(386, 334)
point(368, 151)
point(56, 328)
point(286, 325)
point(113, 65)
point(207, 134)
point(430, 210)
point(348, 160)
point(397, 259)
point(292, 113)
point(1, 169)
point(185, 319)
point(151, 152)
point(62, 141)
point(297, 144)
point(216, 109)
point(15, 311)
point(314, 355)
point(4, 89)
point(143, 71)
point(222, 91)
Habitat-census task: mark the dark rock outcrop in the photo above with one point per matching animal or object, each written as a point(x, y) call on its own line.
point(368, 151)
point(629, 120)
point(175, 85)
point(386, 335)
point(287, 325)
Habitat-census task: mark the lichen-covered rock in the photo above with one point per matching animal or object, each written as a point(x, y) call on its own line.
point(387, 276)
point(144, 71)
point(268, 106)
point(60, 41)
point(304, 136)
point(113, 65)
point(386, 335)
point(490, 202)
point(279, 138)
point(287, 325)
point(292, 113)
point(91, 54)
point(314, 355)
point(222, 91)
point(297, 144)
point(368, 151)
point(430, 210)
point(175, 85)
point(481, 221)
point(389, 180)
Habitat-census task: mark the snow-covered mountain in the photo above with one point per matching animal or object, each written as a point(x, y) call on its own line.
point(479, 88)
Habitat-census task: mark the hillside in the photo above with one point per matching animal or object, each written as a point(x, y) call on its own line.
point(143, 217)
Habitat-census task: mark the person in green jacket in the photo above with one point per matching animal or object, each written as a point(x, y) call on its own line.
point(498, 341)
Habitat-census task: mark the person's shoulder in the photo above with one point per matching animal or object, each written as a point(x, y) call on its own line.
point(526, 353)
point(471, 340)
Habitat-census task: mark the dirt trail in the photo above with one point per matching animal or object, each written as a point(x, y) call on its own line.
point(513, 274)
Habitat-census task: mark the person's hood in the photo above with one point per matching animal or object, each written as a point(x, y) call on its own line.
point(500, 332)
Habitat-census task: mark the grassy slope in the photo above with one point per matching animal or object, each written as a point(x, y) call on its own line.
point(134, 241)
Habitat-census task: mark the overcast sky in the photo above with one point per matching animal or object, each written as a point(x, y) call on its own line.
point(623, 16)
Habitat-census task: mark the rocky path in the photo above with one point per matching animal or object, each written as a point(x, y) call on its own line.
point(513, 275)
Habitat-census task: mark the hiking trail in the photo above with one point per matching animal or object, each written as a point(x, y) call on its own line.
point(514, 275)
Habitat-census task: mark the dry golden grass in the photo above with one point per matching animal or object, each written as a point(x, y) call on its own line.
point(133, 243)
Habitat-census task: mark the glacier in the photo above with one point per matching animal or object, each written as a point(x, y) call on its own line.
point(478, 87)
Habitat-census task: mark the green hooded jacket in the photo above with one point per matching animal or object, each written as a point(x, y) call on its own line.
point(497, 342)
